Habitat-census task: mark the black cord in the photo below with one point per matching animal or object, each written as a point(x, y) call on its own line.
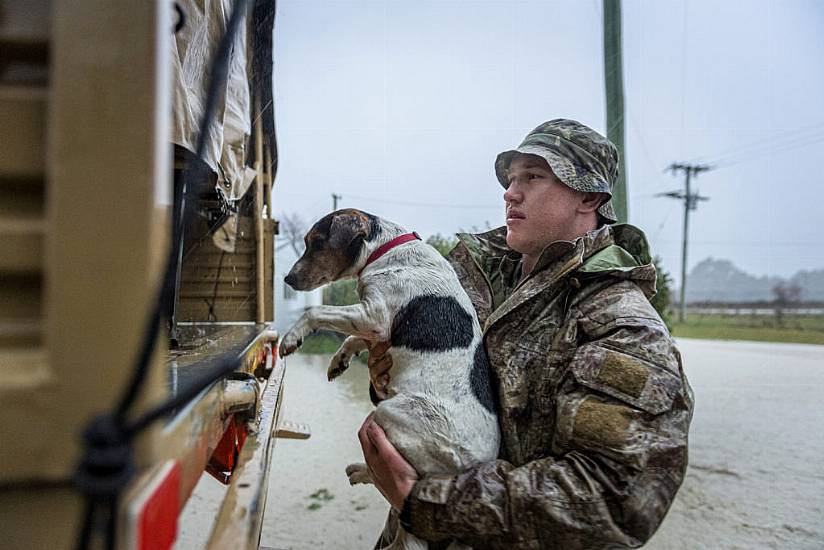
point(218, 369)
point(181, 17)
point(211, 304)
point(107, 464)
point(220, 71)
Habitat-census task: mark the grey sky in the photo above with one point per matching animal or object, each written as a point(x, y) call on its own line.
point(401, 107)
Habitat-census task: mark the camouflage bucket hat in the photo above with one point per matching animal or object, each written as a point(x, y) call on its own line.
point(579, 156)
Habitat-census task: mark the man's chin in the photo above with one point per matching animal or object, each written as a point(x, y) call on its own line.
point(516, 242)
point(513, 242)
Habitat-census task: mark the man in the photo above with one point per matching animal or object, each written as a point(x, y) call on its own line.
point(594, 404)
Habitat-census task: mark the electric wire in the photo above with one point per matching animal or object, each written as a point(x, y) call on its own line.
point(770, 150)
point(791, 138)
point(428, 204)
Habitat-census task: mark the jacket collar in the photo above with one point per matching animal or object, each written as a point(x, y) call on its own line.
point(619, 251)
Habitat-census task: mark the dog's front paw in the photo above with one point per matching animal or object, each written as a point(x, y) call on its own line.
point(338, 364)
point(358, 473)
point(290, 343)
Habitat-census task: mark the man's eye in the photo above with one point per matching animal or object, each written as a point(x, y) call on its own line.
point(534, 176)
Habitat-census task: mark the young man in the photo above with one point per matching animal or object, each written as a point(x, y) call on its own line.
point(594, 404)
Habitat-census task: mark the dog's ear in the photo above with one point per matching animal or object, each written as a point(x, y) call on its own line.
point(347, 227)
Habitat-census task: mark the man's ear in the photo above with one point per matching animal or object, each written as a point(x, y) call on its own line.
point(346, 228)
point(591, 201)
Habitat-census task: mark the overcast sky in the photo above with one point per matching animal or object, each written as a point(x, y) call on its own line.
point(401, 107)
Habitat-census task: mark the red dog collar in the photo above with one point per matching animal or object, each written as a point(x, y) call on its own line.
point(384, 248)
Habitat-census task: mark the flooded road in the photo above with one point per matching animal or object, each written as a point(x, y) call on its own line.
point(756, 475)
point(311, 503)
point(756, 478)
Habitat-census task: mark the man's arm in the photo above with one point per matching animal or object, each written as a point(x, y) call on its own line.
point(618, 458)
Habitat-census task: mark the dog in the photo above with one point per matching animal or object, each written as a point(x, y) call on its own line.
point(438, 408)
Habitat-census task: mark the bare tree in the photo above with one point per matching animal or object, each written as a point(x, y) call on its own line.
point(292, 230)
point(784, 296)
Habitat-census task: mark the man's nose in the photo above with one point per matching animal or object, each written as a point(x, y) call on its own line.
point(512, 193)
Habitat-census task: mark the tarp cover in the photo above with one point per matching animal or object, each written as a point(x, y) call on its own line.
point(194, 48)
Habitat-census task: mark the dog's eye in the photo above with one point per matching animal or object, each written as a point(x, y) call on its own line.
point(316, 243)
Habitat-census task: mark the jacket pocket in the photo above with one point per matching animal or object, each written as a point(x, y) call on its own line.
point(638, 382)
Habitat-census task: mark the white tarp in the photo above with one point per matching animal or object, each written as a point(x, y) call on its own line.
point(194, 48)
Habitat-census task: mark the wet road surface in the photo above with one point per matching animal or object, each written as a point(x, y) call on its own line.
point(756, 476)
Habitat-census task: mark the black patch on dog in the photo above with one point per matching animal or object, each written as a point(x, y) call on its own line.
point(324, 224)
point(432, 323)
point(353, 251)
point(481, 380)
point(373, 396)
point(374, 226)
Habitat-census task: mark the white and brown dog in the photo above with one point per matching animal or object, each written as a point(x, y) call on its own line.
point(438, 408)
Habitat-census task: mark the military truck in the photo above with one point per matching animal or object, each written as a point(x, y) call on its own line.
point(104, 181)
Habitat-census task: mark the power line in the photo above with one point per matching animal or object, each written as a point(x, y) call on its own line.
point(636, 128)
point(683, 76)
point(764, 145)
point(690, 203)
point(772, 139)
point(761, 244)
point(663, 223)
point(771, 150)
point(428, 204)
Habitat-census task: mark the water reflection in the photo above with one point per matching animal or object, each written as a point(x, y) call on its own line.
point(353, 516)
point(347, 517)
point(354, 383)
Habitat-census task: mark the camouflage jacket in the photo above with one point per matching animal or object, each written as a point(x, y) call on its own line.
point(594, 404)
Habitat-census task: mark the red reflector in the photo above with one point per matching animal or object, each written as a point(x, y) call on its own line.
point(157, 519)
point(224, 458)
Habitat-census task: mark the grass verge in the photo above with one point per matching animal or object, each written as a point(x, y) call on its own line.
point(800, 329)
point(324, 343)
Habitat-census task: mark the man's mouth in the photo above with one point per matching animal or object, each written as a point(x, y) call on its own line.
point(514, 214)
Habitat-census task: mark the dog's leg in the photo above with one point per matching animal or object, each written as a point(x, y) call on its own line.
point(351, 347)
point(358, 473)
point(369, 320)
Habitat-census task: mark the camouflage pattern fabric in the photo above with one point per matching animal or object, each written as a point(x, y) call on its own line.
point(594, 404)
point(579, 156)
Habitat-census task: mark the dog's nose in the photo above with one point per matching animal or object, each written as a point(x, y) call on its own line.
point(290, 280)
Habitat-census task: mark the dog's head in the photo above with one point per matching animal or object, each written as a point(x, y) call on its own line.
point(335, 249)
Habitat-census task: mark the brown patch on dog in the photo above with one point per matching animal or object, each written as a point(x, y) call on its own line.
point(332, 246)
point(348, 225)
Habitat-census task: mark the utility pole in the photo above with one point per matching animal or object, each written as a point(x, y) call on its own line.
point(335, 199)
point(690, 203)
point(614, 83)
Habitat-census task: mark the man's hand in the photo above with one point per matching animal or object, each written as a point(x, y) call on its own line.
point(392, 474)
point(379, 364)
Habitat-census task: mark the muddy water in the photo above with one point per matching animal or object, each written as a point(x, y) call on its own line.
point(756, 478)
point(310, 502)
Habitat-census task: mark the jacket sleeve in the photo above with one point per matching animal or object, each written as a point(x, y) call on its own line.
point(618, 456)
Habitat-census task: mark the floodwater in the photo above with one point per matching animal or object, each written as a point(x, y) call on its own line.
point(756, 476)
